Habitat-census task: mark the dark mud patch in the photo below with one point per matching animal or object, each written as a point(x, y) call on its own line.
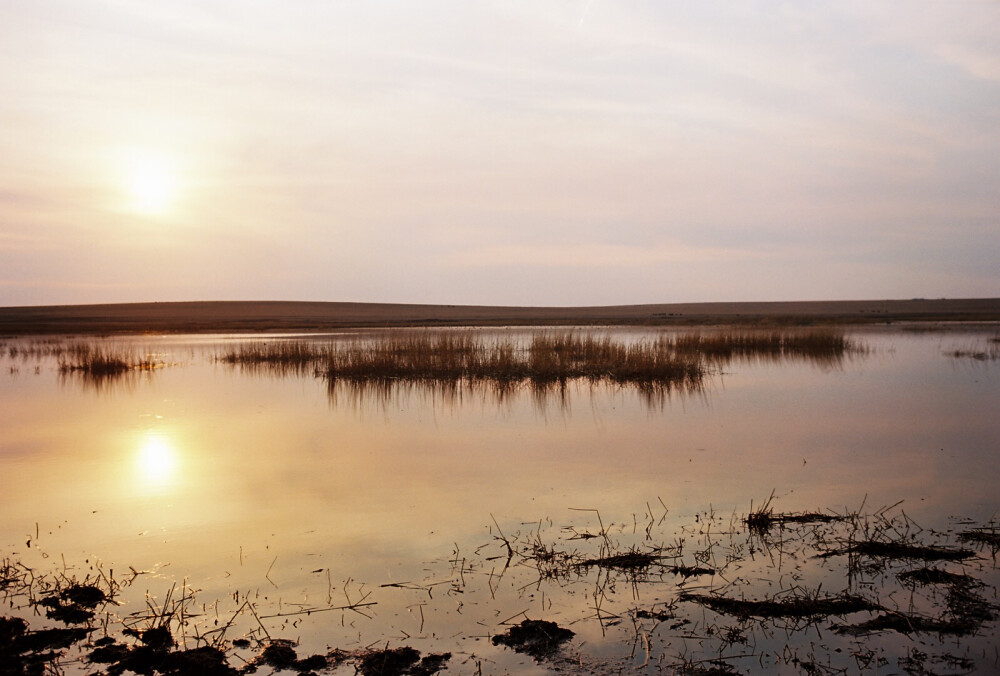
point(905, 623)
point(281, 654)
point(798, 607)
point(634, 560)
point(204, 661)
point(539, 638)
point(658, 615)
point(989, 537)
point(691, 571)
point(762, 521)
point(74, 604)
point(404, 661)
point(966, 611)
point(902, 550)
point(710, 668)
point(926, 576)
point(30, 652)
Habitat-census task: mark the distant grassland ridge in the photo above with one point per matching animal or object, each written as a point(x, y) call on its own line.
point(239, 316)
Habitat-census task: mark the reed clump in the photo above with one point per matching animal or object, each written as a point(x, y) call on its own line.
point(724, 346)
point(547, 358)
point(104, 361)
point(285, 355)
point(541, 359)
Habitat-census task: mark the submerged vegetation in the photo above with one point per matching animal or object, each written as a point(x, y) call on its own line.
point(718, 596)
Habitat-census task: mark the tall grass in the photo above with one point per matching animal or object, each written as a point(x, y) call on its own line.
point(724, 346)
point(543, 359)
point(97, 361)
point(281, 356)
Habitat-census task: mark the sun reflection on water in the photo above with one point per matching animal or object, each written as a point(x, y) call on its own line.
point(156, 463)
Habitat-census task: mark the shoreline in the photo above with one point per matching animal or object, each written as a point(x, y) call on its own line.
point(271, 316)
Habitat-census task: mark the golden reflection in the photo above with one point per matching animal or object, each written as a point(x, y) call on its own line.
point(156, 463)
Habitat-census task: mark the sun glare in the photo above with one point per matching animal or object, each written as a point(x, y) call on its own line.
point(156, 462)
point(150, 183)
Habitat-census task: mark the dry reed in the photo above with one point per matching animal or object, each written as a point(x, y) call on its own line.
point(95, 361)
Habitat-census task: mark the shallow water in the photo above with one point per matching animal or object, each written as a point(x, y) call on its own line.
point(274, 487)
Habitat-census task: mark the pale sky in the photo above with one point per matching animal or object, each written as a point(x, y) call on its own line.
point(583, 152)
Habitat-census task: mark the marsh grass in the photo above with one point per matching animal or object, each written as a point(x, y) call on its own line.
point(280, 356)
point(541, 360)
point(104, 361)
point(823, 346)
point(761, 520)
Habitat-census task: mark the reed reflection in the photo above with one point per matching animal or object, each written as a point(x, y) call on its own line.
point(361, 395)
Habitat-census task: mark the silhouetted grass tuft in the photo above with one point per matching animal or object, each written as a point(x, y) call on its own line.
point(94, 361)
point(541, 360)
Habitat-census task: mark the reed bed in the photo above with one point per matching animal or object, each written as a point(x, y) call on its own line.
point(546, 359)
point(285, 355)
point(724, 346)
point(542, 359)
point(100, 362)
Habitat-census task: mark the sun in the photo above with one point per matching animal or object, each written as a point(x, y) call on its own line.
point(150, 182)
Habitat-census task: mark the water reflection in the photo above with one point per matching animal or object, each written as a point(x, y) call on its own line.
point(257, 482)
point(156, 464)
point(384, 394)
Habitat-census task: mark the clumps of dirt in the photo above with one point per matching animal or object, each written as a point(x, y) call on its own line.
point(155, 654)
point(760, 521)
point(539, 638)
point(810, 607)
point(280, 654)
point(901, 550)
point(30, 652)
point(404, 661)
point(926, 576)
point(690, 571)
point(633, 560)
point(707, 668)
point(157, 638)
point(966, 610)
point(906, 623)
point(658, 615)
point(74, 604)
point(989, 537)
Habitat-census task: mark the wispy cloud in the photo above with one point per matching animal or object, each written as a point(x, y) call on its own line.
point(455, 143)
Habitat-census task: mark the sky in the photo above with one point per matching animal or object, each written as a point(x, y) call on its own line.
point(576, 152)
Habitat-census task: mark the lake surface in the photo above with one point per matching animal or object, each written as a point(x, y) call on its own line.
point(252, 485)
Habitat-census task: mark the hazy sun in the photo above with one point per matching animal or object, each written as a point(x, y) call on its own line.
point(150, 182)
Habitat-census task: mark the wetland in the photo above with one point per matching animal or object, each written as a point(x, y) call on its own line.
point(502, 500)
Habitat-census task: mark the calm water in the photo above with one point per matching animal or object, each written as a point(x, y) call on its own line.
point(271, 487)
